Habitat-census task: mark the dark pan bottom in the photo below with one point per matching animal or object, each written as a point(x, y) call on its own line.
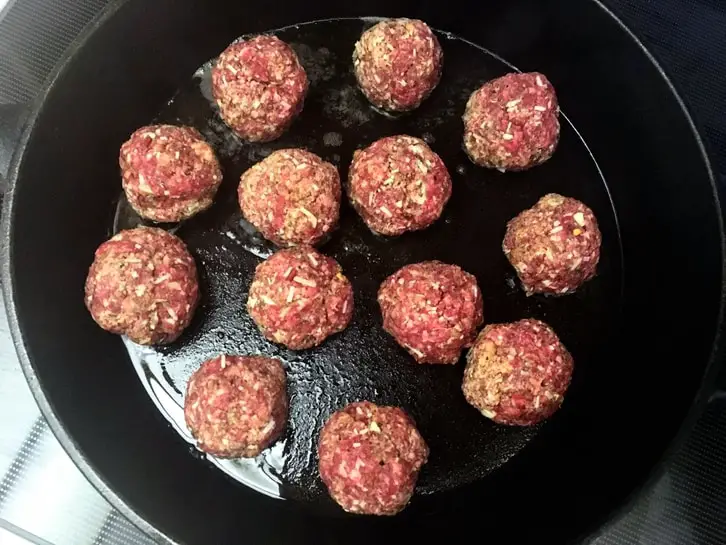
point(363, 362)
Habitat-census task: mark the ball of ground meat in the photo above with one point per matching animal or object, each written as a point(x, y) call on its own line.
point(169, 173)
point(236, 406)
point(398, 63)
point(432, 309)
point(259, 86)
point(299, 297)
point(398, 184)
point(143, 284)
point(369, 458)
point(517, 373)
point(292, 197)
point(554, 246)
point(512, 122)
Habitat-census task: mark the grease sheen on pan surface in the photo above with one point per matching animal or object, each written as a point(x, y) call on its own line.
point(363, 361)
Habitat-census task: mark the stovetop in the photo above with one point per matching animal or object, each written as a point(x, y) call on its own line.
point(44, 498)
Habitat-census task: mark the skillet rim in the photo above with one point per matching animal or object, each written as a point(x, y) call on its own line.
point(606, 520)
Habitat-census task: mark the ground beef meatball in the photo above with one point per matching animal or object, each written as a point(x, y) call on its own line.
point(143, 284)
point(432, 309)
point(299, 297)
point(259, 86)
point(517, 373)
point(236, 406)
point(511, 123)
point(398, 63)
point(169, 173)
point(554, 246)
point(369, 458)
point(398, 184)
point(292, 197)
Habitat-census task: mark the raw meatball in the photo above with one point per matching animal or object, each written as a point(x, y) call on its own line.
point(143, 284)
point(369, 458)
point(517, 373)
point(432, 309)
point(169, 173)
point(398, 184)
point(236, 406)
point(511, 123)
point(259, 86)
point(554, 246)
point(398, 63)
point(299, 297)
point(292, 197)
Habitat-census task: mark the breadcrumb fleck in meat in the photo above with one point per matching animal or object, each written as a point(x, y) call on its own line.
point(289, 205)
point(398, 63)
point(250, 72)
point(305, 307)
point(554, 260)
point(398, 184)
point(505, 125)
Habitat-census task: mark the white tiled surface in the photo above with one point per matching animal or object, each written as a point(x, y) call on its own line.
point(43, 495)
point(8, 537)
point(14, 424)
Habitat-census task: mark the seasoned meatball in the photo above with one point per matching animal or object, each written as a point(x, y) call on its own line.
point(292, 197)
point(432, 309)
point(299, 297)
point(398, 63)
point(512, 122)
point(517, 373)
point(169, 173)
point(369, 458)
point(236, 406)
point(554, 246)
point(398, 184)
point(259, 86)
point(143, 284)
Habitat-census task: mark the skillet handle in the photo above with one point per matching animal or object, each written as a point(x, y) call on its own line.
point(12, 121)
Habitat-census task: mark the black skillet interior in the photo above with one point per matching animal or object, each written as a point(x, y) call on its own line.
point(633, 387)
point(364, 363)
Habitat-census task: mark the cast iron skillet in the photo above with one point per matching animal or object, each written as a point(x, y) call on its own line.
point(642, 333)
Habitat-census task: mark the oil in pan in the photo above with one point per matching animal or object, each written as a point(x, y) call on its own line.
point(363, 362)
